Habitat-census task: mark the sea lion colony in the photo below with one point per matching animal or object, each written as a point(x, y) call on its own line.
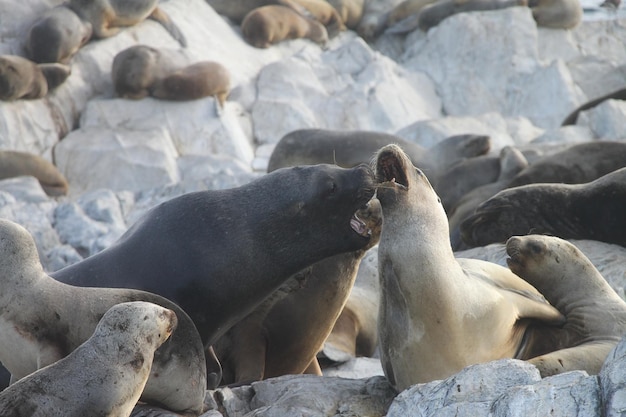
point(392, 177)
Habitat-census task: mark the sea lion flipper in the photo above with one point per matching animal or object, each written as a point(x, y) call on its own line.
point(589, 357)
point(530, 307)
point(55, 74)
point(160, 16)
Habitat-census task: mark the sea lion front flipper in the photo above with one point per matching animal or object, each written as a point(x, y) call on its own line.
point(160, 16)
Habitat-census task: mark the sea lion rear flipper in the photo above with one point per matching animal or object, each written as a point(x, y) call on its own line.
point(160, 16)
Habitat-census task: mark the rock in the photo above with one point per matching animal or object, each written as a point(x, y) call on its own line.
point(468, 393)
point(429, 132)
point(117, 159)
point(480, 72)
point(306, 395)
point(607, 120)
point(348, 87)
point(612, 381)
point(569, 394)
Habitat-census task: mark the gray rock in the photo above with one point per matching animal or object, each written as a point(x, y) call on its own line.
point(612, 381)
point(565, 395)
point(468, 393)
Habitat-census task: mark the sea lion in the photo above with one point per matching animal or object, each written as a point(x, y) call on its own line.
point(267, 25)
point(137, 69)
point(576, 164)
point(21, 78)
point(355, 331)
point(593, 210)
point(237, 10)
point(227, 250)
point(285, 336)
point(202, 79)
point(437, 313)
point(17, 163)
point(104, 376)
point(56, 36)
point(461, 178)
point(432, 14)
point(352, 147)
point(573, 116)
point(404, 17)
point(108, 16)
point(324, 13)
point(406, 9)
point(350, 11)
point(512, 161)
point(595, 314)
point(556, 14)
point(374, 17)
point(43, 320)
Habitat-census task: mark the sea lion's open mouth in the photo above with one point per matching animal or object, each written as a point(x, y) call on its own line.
point(391, 170)
point(359, 226)
point(514, 252)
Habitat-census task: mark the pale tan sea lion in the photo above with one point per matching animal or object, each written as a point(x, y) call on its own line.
point(202, 79)
point(556, 14)
point(57, 35)
point(104, 376)
point(16, 163)
point(43, 320)
point(21, 78)
point(351, 11)
point(595, 314)
point(237, 10)
point(267, 25)
point(324, 13)
point(437, 313)
point(108, 16)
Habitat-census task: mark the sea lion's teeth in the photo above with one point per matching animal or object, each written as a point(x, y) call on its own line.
point(359, 226)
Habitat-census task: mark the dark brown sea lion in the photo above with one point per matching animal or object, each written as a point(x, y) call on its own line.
point(220, 253)
point(592, 210)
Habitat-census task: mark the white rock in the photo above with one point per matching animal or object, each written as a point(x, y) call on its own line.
point(350, 87)
point(430, 132)
point(480, 72)
point(117, 159)
point(607, 120)
point(564, 135)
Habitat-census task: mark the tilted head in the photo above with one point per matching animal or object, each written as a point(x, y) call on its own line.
point(139, 323)
point(406, 196)
point(544, 256)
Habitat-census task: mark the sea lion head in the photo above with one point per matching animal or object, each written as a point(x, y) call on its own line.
point(404, 189)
